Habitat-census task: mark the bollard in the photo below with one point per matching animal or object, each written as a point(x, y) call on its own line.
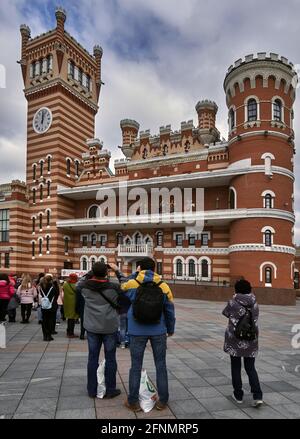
point(2, 336)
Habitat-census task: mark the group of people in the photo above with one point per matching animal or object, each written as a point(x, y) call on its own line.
point(140, 307)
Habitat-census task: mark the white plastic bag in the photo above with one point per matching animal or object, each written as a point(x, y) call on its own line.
point(147, 394)
point(2, 336)
point(101, 380)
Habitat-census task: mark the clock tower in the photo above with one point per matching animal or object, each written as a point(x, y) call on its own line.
point(62, 86)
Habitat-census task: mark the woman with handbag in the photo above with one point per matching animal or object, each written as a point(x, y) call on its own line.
point(27, 293)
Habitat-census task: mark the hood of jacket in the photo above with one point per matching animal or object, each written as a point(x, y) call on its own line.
point(148, 276)
point(245, 299)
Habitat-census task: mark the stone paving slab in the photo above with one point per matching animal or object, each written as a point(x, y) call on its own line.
point(40, 380)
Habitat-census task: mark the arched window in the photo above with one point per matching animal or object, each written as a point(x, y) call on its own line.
point(179, 268)
point(93, 262)
point(268, 238)
point(48, 188)
point(41, 192)
point(77, 170)
point(277, 110)
point(192, 268)
point(84, 264)
point(34, 172)
point(232, 199)
point(66, 244)
point(252, 110)
point(33, 249)
point(48, 217)
point(93, 212)
point(94, 239)
point(49, 63)
point(103, 259)
point(159, 239)
point(33, 225)
point(40, 246)
point(119, 238)
point(268, 275)
point(231, 119)
point(49, 163)
point(41, 168)
point(48, 244)
point(268, 201)
point(127, 241)
point(204, 269)
point(68, 167)
point(34, 196)
point(145, 153)
point(137, 239)
point(41, 221)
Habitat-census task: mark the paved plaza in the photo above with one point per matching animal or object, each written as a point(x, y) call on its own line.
point(48, 380)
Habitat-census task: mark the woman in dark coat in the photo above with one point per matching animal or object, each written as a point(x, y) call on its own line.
point(236, 348)
point(49, 287)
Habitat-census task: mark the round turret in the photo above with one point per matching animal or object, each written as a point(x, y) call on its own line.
point(130, 129)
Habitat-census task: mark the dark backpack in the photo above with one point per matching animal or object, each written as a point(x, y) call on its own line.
point(245, 328)
point(148, 304)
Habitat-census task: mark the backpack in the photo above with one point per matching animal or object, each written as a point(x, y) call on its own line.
point(148, 304)
point(45, 302)
point(245, 328)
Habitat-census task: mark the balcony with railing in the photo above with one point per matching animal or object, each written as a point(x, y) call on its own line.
point(135, 250)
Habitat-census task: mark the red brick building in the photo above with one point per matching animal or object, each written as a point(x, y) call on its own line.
point(55, 221)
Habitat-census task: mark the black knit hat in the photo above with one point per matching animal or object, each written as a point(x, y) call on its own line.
point(242, 286)
point(99, 269)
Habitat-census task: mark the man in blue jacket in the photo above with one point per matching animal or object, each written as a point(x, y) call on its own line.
point(140, 333)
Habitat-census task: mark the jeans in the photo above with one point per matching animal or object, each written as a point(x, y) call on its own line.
point(58, 314)
point(26, 311)
point(123, 328)
point(110, 344)
point(249, 364)
point(137, 349)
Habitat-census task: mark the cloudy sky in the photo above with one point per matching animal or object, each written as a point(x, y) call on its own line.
point(160, 58)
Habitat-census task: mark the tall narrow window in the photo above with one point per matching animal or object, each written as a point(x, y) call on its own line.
point(48, 188)
point(48, 244)
point(41, 221)
point(159, 239)
point(84, 264)
point(192, 239)
point(41, 168)
point(49, 63)
point(77, 170)
point(33, 249)
point(4, 225)
point(93, 262)
point(93, 212)
point(6, 260)
point(204, 268)
point(268, 275)
point(33, 225)
point(68, 167)
point(41, 192)
point(40, 246)
point(119, 238)
point(88, 83)
point(72, 69)
point(277, 110)
point(268, 201)
point(48, 217)
point(232, 200)
point(49, 164)
point(192, 270)
point(179, 240)
point(34, 172)
point(80, 76)
point(93, 239)
point(252, 110)
point(159, 268)
point(268, 238)
point(204, 239)
point(84, 241)
point(66, 242)
point(179, 268)
point(34, 196)
point(231, 119)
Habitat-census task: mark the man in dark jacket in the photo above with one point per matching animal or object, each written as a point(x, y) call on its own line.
point(101, 322)
point(140, 333)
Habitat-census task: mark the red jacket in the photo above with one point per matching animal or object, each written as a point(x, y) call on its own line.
point(6, 290)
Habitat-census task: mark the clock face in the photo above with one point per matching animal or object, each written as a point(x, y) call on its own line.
point(42, 120)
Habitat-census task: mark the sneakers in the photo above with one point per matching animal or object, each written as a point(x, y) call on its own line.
point(115, 393)
point(258, 403)
point(133, 407)
point(160, 405)
point(72, 336)
point(122, 346)
point(239, 401)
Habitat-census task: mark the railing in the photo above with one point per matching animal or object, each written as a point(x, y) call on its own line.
point(135, 249)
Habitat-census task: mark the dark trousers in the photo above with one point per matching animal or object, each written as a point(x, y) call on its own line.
point(3, 309)
point(48, 322)
point(70, 326)
point(110, 345)
point(26, 311)
point(12, 315)
point(249, 364)
point(82, 330)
